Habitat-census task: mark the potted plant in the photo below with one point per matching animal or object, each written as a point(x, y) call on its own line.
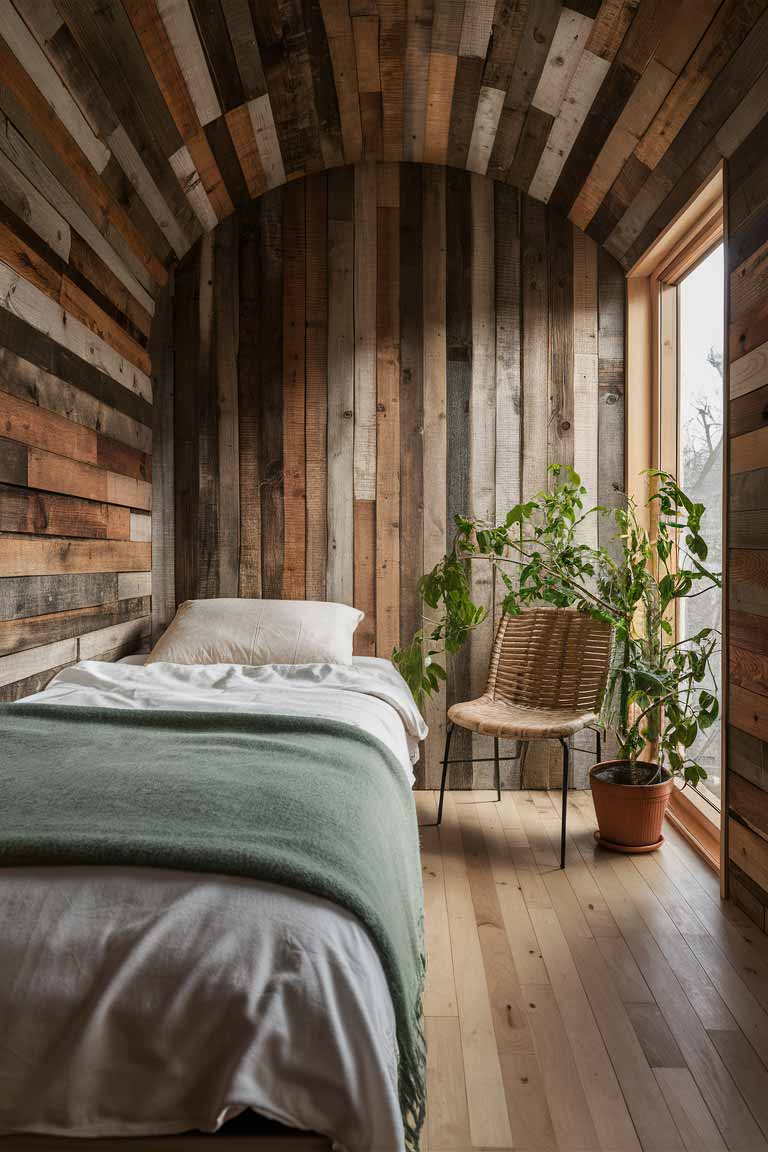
point(658, 696)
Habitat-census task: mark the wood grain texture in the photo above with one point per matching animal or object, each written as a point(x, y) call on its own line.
point(746, 668)
point(405, 337)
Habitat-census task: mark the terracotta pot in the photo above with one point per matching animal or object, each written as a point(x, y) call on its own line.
point(630, 815)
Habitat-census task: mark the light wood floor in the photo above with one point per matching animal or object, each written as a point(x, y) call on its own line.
point(617, 1005)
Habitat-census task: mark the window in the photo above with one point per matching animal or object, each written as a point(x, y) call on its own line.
point(700, 457)
point(688, 297)
point(675, 397)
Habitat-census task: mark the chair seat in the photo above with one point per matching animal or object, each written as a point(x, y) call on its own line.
point(498, 718)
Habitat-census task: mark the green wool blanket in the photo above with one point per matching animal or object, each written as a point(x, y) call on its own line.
point(314, 804)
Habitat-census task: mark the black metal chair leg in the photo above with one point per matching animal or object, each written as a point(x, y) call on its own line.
point(598, 745)
point(448, 734)
point(566, 773)
point(497, 767)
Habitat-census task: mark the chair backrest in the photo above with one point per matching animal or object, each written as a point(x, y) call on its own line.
point(551, 658)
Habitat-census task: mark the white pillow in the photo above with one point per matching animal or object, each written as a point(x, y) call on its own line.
point(235, 631)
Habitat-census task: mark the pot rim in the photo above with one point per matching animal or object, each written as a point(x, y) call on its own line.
point(668, 783)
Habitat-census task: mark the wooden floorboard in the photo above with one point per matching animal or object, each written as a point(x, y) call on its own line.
point(616, 1005)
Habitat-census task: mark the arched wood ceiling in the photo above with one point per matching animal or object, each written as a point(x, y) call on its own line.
point(160, 117)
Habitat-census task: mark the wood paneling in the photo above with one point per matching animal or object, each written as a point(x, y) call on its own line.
point(747, 536)
point(407, 337)
point(82, 254)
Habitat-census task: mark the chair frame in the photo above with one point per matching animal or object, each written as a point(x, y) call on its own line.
point(568, 752)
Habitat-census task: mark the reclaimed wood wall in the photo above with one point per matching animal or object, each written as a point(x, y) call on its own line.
point(361, 355)
point(747, 526)
point(79, 271)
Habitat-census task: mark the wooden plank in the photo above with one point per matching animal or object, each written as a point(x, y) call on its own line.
point(749, 851)
point(748, 711)
point(242, 35)
point(560, 277)
point(466, 93)
point(214, 36)
point(487, 115)
point(248, 401)
point(388, 411)
point(748, 372)
point(183, 36)
point(19, 635)
point(748, 452)
point(271, 395)
point(29, 424)
point(43, 514)
point(203, 389)
point(294, 393)
point(411, 400)
point(326, 103)
point(316, 385)
point(508, 356)
point(93, 645)
point(435, 449)
point(565, 49)
point(341, 393)
point(365, 576)
point(13, 462)
point(487, 1110)
point(244, 141)
point(263, 123)
point(392, 61)
point(338, 26)
point(689, 1110)
point(162, 526)
point(586, 445)
point(458, 327)
point(186, 335)
point(440, 84)
point(58, 474)
point(24, 664)
point(191, 183)
point(747, 801)
point(226, 340)
point(131, 584)
point(482, 433)
point(22, 556)
point(23, 597)
point(611, 464)
point(416, 77)
point(365, 331)
point(219, 139)
point(140, 526)
point(535, 342)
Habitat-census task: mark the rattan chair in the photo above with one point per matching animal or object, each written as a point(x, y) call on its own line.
point(546, 679)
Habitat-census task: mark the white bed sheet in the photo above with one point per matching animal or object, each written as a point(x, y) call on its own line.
point(137, 1001)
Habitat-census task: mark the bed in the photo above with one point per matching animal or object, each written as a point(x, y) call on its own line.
point(142, 1001)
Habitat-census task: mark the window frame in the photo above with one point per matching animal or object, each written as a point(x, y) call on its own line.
point(652, 426)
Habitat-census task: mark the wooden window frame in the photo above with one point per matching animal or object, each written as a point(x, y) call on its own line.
point(652, 427)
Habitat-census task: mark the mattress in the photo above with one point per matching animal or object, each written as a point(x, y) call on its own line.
point(139, 1001)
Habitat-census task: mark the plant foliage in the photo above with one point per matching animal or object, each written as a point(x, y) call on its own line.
point(656, 700)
